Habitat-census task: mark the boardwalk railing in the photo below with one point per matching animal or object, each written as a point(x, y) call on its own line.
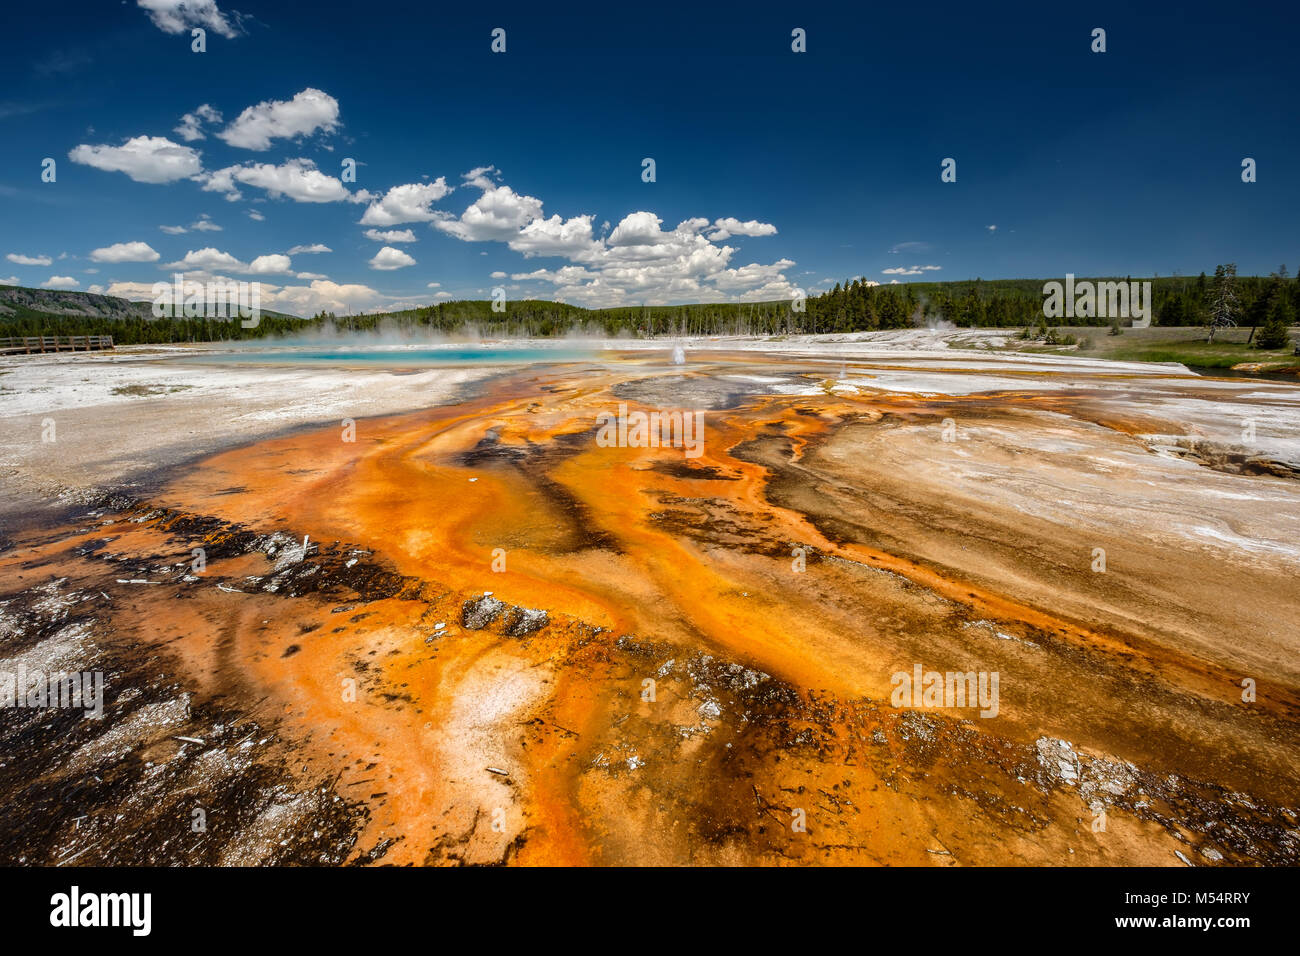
point(27, 344)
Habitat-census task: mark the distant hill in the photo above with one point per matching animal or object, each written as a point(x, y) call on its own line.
point(26, 311)
point(18, 302)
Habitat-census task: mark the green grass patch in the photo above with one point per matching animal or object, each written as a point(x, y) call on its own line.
point(1203, 354)
point(1185, 345)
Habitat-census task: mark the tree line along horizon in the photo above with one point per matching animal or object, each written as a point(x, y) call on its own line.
point(1266, 304)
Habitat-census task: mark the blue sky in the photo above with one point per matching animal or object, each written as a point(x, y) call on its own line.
point(774, 169)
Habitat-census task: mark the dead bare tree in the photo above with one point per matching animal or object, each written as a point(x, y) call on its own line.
point(1224, 305)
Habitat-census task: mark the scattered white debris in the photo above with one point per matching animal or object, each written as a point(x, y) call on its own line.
point(1000, 635)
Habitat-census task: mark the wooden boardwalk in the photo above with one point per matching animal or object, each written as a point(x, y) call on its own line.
point(30, 344)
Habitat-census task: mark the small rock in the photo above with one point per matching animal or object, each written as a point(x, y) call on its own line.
point(479, 614)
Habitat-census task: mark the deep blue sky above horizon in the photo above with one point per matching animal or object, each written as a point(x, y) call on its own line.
point(828, 162)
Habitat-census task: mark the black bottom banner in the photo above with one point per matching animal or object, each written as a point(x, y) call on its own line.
point(303, 905)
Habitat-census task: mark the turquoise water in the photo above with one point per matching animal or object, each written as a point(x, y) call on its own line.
point(402, 356)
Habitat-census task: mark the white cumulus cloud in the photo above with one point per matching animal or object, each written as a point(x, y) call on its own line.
point(388, 259)
point(207, 260)
point(407, 203)
point(570, 238)
point(298, 179)
point(498, 214)
point(126, 252)
point(726, 228)
point(910, 270)
point(22, 260)
point(258, 125)
point(146, 159)
point(180, 16)
point(274, 264)
point(390, 235)
point(322, 295)
point(203, 224)
point(191, 124)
